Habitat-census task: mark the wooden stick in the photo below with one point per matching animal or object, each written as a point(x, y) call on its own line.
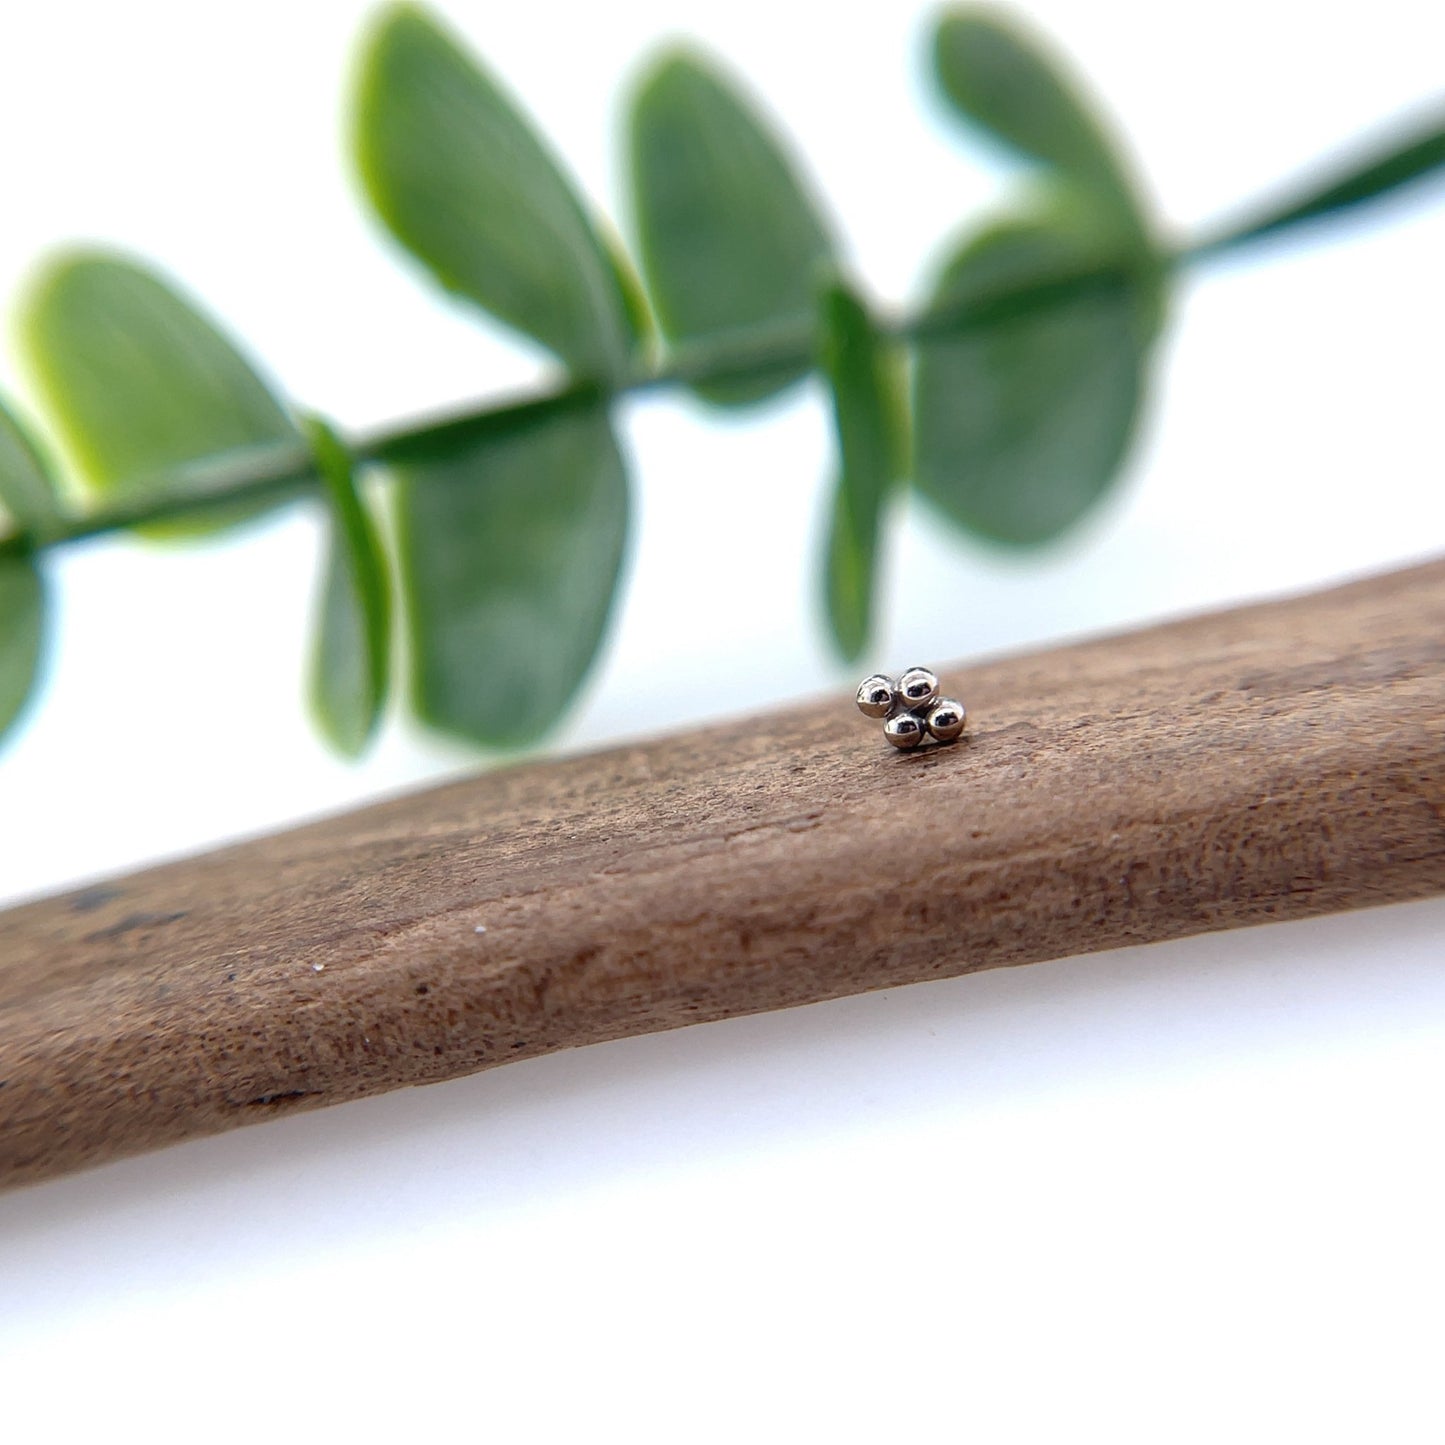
point(1268, 762)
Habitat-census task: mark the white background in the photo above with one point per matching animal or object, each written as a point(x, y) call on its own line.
point(1177, 1193)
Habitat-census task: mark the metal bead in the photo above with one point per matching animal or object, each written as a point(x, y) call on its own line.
point(876, 696)
point(917, 688)
point(946, 719)
point(904, 730)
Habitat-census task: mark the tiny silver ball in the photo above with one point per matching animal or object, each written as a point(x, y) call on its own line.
point(876, 696)
point(904, 730)
point(917, 688)
point(946, 719)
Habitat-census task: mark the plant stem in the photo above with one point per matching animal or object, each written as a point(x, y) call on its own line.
point(1409, 155)
point(284, 473)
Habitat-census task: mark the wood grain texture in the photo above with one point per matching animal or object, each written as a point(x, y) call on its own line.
point(1268, 762)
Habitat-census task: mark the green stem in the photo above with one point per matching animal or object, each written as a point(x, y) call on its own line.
point(1390, 165)
point(284, 473)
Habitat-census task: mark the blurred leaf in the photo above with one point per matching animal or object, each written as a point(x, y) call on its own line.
point(729, 238)
point(22, 627)
point(864, 415)
point(510, 556)
point(353, 637)
point(1398, 164)
point(898, 376)
point(464, 183)
point(1021, 425)
point(27, 491)
point(1005, 79)
point(139, 384)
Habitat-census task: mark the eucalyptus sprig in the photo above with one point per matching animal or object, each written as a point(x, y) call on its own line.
point(1008, 398)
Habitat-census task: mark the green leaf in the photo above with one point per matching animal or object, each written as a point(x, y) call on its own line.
point(1400, 163)
point(353, 635)
point(27, 490)
point(464, 183)
point(1005, 79)
point(510, 555)
point(139, 384)
point(898, 379)
point(1022, 423)
point(730, 240)
point(22, 630)
point(864, 414)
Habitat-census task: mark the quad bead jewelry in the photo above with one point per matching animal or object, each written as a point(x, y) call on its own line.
point(911, 708)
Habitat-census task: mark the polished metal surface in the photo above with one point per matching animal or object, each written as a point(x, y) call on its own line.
point(905, 730)
point(876, 695)
point(946, 720)
point(917, 688)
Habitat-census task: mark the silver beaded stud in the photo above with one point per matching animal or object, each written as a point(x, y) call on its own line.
point(876, 695)
point(911, 708)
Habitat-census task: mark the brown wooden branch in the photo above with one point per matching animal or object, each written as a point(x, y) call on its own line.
point(1268, 762)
